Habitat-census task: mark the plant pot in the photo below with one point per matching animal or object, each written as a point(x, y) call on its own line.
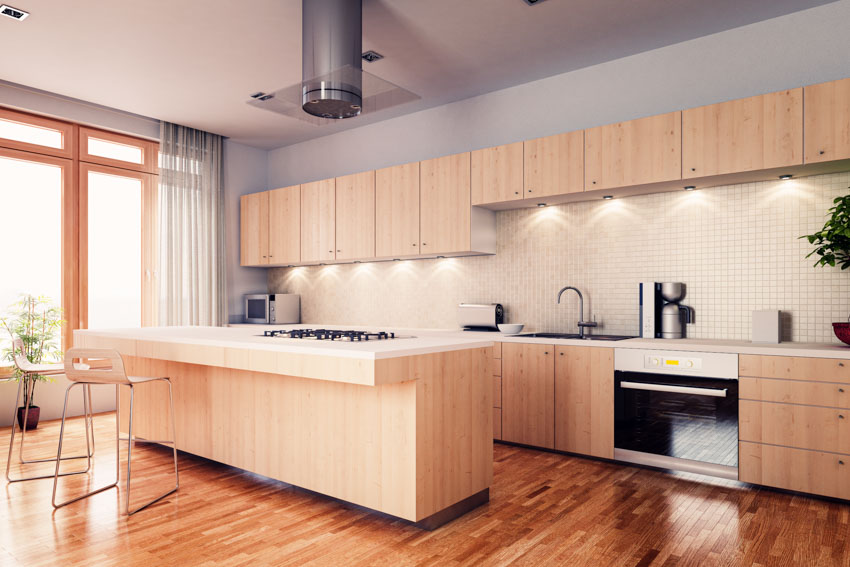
point(32, 417)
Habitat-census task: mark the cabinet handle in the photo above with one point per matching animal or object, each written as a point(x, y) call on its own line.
point(841, 390)
point(330, 251)
point(840, 462)
point(424, 244)
point(841, 364)
point(263, 256)
point(562, 354)
point(693, 169)
point(517, 192)
point(339, 250)
point(822, 152)
point(546, 352)
point(840, 416)
point(594, 182)
point(414, 244)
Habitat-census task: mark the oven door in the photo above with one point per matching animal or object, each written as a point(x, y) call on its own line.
point(686, 418)
point(257, 308)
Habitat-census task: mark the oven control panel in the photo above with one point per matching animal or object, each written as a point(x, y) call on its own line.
point(677, 363)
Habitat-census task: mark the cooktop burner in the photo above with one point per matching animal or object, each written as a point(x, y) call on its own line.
point(330, 335)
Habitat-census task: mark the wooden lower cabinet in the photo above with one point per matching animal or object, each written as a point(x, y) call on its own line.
point(497, 391)
point(497, 424)
point(791, 425)
point(584, 400)
point(815, 472)
point(794, 392)
point(528, 394)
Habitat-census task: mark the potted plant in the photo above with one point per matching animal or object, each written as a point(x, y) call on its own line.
point(832, 245)
point(38, 323)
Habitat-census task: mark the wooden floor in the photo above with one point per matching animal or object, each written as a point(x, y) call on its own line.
point(545, 509)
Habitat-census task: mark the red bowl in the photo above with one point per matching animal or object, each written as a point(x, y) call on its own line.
point(842, 331)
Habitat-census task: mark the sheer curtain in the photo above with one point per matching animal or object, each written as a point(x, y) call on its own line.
point(191, 217)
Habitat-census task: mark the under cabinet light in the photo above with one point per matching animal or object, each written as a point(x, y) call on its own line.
point(690, 187)
point(785, 177)
point(608, 197)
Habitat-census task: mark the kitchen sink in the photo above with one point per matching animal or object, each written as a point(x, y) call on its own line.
point(576, 336)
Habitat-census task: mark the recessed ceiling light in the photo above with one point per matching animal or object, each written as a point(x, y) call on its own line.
point(13, 13)
point(440, 256)
point(608, 197)
point(690, 187)
point(371, 56)
point(541, 204)
point(785, 177)
point(532, 2)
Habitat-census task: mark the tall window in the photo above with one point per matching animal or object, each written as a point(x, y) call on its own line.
point(78, 221)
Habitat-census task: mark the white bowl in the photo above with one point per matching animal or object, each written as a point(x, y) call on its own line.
point(511, 328)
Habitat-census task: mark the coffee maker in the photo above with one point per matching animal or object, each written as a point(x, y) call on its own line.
point(661, 314)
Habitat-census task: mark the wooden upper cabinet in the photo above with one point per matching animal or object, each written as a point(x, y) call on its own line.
point(254, 229)
point(759, 132)
point(584, 400)
point(445, 212)
point(397, 210)
point(355, 216)
point(285, 225)
point(554, 165)
point(647, 150)
point(528, 394)
point(318, 221)
point(827, 121)
point(497, 174)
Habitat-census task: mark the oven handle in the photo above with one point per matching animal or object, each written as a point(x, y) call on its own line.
point(674, 389)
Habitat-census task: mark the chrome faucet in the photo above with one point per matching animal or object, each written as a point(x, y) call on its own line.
point(582, 324)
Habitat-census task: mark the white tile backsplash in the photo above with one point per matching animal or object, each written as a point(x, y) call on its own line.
point(736, 247)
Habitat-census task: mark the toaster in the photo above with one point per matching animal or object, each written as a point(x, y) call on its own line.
point(480, 316)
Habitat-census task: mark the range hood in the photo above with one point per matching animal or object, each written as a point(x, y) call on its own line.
point(333, 84)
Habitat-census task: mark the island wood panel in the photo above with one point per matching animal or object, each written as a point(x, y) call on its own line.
point(285, 225)
point(497, 174)
point(815, 472)
point(409, 449)
point(254, 228)
point(497, 424)
point(445, 210)
point(528, 394)
point(746, 134)
point(795, 368)
point(355, 216)
point(646, 150)
point(584, 400)
point(802, 427)
point(827, 121)
point(554, 165)
point(397, 210)
point(318, 221)
point(794, 392)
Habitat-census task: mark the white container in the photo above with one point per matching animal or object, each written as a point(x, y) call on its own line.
point(767, 326)
point(510, 328)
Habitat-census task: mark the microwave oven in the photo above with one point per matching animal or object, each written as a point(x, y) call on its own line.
point(273, 309)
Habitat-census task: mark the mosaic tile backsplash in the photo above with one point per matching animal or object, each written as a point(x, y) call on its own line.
point(736, 248)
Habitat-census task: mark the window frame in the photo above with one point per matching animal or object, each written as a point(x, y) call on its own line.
point(68, 130)
point(149, 149)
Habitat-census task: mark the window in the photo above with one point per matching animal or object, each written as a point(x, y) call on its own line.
point(78, 221)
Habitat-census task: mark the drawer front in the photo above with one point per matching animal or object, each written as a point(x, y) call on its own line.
point(497, 350)
point(795, 368)
point(815, 472)
point(803, 427)
point(497, 423)
point(795, 392)
point(497, 391)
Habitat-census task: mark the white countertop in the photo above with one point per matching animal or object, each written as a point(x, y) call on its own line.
point(810, 350)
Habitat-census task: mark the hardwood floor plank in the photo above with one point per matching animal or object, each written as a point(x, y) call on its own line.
point(545, 509)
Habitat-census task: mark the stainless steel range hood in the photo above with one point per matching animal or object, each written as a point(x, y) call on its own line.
point(331, 33)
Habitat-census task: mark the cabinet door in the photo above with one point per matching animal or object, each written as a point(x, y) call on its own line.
point(647, 150)
point(554, 165)
point(318, 225)
point(817, 472)
point(827, 121)
point(584, 401)
point(355, 216)
point(497, 174)
point(759, 132)
point(445, 212)
point(528, 394)
point(254, 229)
point(285, 225)
point(397, 210)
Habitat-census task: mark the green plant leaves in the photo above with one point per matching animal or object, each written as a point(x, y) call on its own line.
point(832, 242)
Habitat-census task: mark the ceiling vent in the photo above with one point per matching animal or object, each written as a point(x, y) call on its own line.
point(371, 56)
point(532, 2)
point(333, 84)
point(13, 13)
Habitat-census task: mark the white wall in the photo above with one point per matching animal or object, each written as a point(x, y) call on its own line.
point(244, 172)
point(798, 49)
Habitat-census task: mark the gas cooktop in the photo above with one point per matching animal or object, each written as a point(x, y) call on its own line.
point(331, 335)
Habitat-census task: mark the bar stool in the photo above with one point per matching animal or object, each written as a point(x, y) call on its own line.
point(85, 376)
point(28, 368)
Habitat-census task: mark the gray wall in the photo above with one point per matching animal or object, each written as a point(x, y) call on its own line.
point(244, 172)
point(801, 48)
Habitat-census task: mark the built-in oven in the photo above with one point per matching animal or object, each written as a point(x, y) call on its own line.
point(677, 410)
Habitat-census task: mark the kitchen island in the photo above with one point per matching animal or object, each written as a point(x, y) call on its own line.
point(402, 426)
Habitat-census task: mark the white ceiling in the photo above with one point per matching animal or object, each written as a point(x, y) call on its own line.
point(195, 62)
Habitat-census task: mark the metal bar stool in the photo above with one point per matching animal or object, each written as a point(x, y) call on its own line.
point(85, 376)
point(24, 365)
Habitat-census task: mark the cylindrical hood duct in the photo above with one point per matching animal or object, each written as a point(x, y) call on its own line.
point(331, 45)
